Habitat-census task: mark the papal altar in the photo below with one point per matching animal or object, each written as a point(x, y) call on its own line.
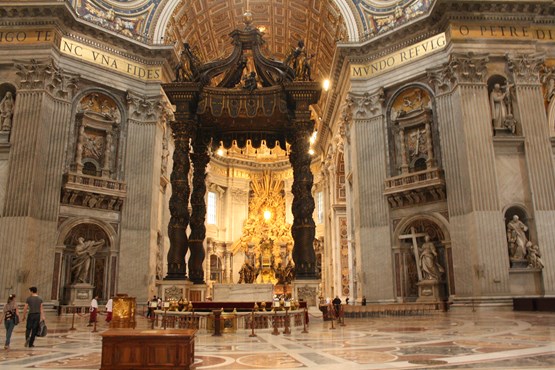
point(243, 292)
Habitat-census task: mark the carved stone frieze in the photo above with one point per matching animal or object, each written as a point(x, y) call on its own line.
point(366, 105)
point(145, 109)
point(525, 67)
point(45, 75)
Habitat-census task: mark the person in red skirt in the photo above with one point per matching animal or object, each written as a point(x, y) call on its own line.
point(93, 310)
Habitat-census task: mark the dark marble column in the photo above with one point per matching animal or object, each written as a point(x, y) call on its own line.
point(200, 160)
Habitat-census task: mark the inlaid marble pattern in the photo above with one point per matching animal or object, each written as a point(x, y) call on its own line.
point(454, 340)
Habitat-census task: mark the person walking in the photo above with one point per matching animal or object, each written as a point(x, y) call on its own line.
point(93, 310)
point(33, 305)
point(109, 308)
point(10, 315)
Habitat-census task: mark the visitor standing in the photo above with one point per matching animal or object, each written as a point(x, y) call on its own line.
point(10, 315)
point(336, 305)
point(109, 308)
point(33, 305)
point(93, 310)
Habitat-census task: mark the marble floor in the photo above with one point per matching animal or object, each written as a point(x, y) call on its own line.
point(453, 340)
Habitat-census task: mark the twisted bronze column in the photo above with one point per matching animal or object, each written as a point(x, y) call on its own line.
point(304, 228)
point(200, 159)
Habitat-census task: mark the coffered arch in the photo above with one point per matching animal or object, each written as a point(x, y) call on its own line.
point(350, 19)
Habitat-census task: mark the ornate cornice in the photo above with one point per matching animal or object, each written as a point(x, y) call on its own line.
point(45, 75)
point(525, 68)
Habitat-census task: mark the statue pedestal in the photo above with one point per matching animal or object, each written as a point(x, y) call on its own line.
point(79, 295)
point(4, 137)
point(177, 289)
point(430, 291)
point(307, 290)
point(525, 281)
point(518, 263)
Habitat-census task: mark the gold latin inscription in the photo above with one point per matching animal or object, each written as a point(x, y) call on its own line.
point(18, 37)
point(501, 31)
point(399, 58)
point(110, 61)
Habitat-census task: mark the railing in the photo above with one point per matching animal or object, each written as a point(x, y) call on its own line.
point(392, 309)
point(81, 182)
point(414, 180)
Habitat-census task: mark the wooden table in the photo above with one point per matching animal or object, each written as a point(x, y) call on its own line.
point(126, 349)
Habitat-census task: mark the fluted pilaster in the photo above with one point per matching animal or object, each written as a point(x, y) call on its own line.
point(538, 153)
point(476, 223)
point(40, 126)
point(371, 210)
point(139, 213)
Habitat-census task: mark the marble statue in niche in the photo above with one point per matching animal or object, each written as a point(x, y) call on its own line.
point(81, 263)
point(522, 252)
point(517, 239)
point(429, 265)
point(501, 106)
point(6, 111)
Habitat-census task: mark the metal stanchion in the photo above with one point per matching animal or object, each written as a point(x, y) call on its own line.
point(252, 325)
point(341, 316)
point(305, 316)
point(94, 326)
point(164, 321)
point(73, 319)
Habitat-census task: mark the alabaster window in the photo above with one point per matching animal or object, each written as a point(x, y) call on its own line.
point(320, 204)
point(211, 208)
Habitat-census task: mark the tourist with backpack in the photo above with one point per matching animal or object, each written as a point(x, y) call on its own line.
point(10, 315)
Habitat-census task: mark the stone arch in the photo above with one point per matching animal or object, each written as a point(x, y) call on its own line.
point(352, 22)
point(103, 264)
point(414, 227)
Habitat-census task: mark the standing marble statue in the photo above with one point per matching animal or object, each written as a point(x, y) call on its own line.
point(516, 236)
point(6, 112)
point(431, 269)
point(497, 99)
point(84, 251)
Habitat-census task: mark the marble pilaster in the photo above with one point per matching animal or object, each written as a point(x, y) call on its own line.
point(538, 154)
point(38, 136)
point(370, 208)
point(140, 213)
point(477, 227)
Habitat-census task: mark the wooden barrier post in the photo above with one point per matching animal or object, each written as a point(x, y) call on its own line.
point(275, 332)
point(286, 323)
point(252, 325)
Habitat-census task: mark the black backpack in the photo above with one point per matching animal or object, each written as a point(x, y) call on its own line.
point(9, 315)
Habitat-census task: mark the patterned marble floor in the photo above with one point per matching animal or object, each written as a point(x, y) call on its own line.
point(454, 340)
